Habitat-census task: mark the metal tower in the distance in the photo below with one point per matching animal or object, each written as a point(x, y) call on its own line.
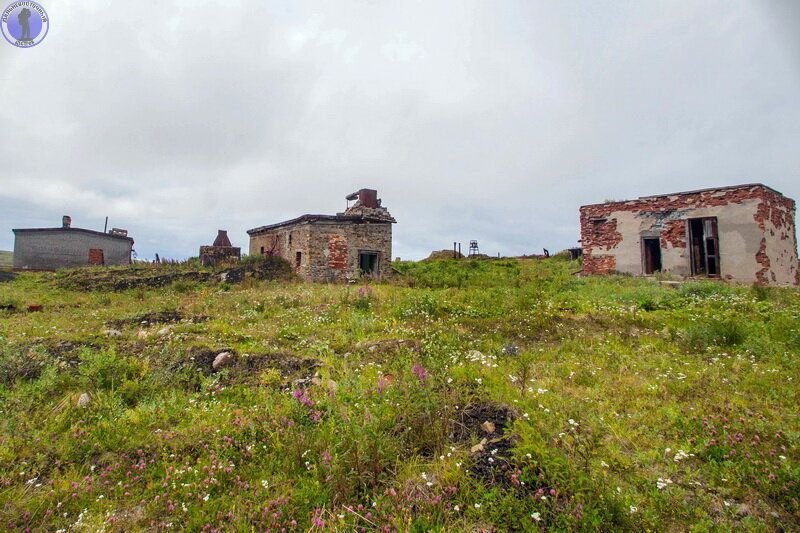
point(473, 248)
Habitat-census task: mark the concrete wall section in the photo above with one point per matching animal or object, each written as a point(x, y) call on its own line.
point(67, 248)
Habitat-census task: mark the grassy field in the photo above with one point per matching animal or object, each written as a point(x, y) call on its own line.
point(6, 259)
point(463, 396)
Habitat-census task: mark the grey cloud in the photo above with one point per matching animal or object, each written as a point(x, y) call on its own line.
point(474, 120)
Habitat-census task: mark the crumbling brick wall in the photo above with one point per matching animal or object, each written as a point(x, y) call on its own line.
point(768, 241)
point(777, 251)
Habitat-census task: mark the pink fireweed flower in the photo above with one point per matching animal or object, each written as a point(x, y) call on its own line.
point(302, 397)
point(365, 292)
point(420, 372)
point(317, 520)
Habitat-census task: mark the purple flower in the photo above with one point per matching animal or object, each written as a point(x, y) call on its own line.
point(301, 396)
point(420, 372)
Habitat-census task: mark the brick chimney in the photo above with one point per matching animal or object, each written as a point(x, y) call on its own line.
point(66, 221)
point(365, 197)
point(222, 239)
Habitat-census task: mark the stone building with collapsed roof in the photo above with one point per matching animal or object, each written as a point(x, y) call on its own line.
point(340, 247)
point(68, 247)
point(743, 233)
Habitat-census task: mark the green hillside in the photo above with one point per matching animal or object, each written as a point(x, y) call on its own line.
point(6, 259)
point(463, 396)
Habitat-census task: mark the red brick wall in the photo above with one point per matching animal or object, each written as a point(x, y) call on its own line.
point(599, 264)
point(96, 257)
point(337, 246)
point(674, 234)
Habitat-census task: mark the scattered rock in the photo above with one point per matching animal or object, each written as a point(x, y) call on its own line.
point(157, 317)
point(331, 385)
point(84, 400)
point(494, 464)
point(387, 349)
point(113, 333)
point(511, 349)
point(246, 368)
point(743, 510)
point(222, 360)
point(166, 330)
point(478, 447)
point(475, 419)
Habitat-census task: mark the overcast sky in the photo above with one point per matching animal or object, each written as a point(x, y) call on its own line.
point(483, 120)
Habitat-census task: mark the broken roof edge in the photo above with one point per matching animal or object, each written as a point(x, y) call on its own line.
point(80, 230)
point(321, 218)
point(697, 191)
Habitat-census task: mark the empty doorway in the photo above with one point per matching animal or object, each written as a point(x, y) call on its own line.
point(704, 246)
point(652, 254)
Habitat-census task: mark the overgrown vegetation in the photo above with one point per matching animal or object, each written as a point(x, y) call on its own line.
point(465, 395)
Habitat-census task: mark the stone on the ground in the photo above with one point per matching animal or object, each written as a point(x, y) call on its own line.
point(478, 447)
point(222, 360)
point(84, 400)
point(113, 333)
point(511, 349)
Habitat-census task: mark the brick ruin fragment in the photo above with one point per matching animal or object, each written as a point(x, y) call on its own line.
point(221, 251)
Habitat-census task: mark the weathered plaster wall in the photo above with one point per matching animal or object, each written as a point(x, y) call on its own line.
point(755, 225)
point(66, 248)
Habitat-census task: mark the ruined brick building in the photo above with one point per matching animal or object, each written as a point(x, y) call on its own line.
point(67, 247)
point(743, 233)
point(345, 246)
point(221, 251)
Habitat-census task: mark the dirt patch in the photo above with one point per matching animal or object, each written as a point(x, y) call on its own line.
point(492, 458)
point(157, 317)
point(385, 349)
point(68, 351)
point(473, 417)
point(246, 368)
point(494, 463)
